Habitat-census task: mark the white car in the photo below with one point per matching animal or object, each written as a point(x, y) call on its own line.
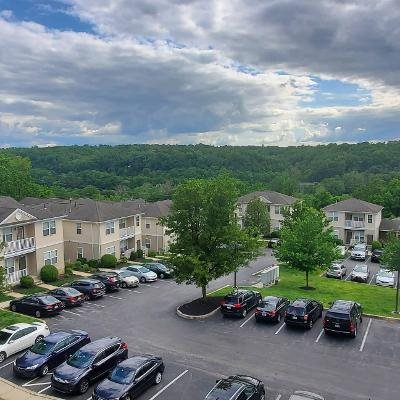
point(128, 279)
point(18, 337)
point(384, 277)
point(359, 252)
point(301, 395)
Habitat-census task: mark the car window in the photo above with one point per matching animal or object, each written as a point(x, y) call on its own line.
point(82, 359)
point(111, 350)
point(299, 311)
point(18, 335)
point(249, 391)
point(61, 344)
point(43, 347)
point(146, 368)
point(122, 375)
point(29, 330)
point(100, 357)
point(4, 336)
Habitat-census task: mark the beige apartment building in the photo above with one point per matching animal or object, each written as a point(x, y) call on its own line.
point(33, 237)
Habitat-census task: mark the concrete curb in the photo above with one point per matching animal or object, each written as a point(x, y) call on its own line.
point(382, 317)
point(11, 391)
point(198, 317)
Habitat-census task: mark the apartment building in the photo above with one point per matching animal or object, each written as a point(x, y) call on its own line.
point(33, 237)
point(355, 220)
point(276, 204)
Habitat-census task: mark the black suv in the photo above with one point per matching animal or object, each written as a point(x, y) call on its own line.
point(271, 308)
point(238, 387)
point(91, 288)
point(376, 255)
point(88, 364)
point(343, 317)
point(303, 312)
point(239, 303)
point(110, 280)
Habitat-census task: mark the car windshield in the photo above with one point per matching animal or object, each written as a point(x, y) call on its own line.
point(232, 299)
point(335, 267)
point(143, 270)
point(43, 347)
point(81, 359)
point(360, 268)
point(48, 299)
point(385, 274)
point(337, 315)
point(125, 274)
point(122, 375)
point(268, 305)
point(4, 336)
point(295, 310)
point(359, 247)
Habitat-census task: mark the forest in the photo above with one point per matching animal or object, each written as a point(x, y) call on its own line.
point(319, 174)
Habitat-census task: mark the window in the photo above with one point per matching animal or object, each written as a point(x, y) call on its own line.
point(336, 234)
point(333, 216)
point(80, 252)
point(78, 228)
point(9, 265)
point(370, 218)
point(110, 250)
point(277, 210)
point(147, 225)
point(148, 243)
point(358, 218)
point(122, 223)
point(137, 220)
point(110, 228)
point(49, 228)
point(7, 235)
point(50, 257)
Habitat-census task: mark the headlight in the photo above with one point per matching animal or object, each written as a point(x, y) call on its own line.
point(32, 366)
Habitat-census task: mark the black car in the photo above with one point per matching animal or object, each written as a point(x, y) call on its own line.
point(49, 352)
point(303, 312)
point(238, 387)
point(376, 255)
point(69, 296)
point(130, 378)
point(343, 317)
point(88, 364)
point(39, 305)
point(238, 303)
point(110, 280)
point(271, 308)
point(91, 288)
point(161, 270)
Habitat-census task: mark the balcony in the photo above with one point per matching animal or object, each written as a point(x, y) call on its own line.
point(349, 223)
point(20, 247)
point(127, 232)
point(14, 277)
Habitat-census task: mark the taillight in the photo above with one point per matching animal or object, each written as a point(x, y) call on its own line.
point(272, 313)
point(258, 310)
point(352, 327)
point(237, 305)
point(305, 317)
point(222, 302)
point(49, 307)
point(71, 298)
point(124, 346)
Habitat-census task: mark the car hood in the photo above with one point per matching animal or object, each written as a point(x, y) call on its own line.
point(384, 279)
point(150, 274)
point(359, 274)
point(358, 253)
point(110, 390)
point(29, 358)
point(68, 372)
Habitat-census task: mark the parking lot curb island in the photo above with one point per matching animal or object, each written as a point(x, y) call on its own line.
point(382, 317)
point(204, 316)
point(11, 391)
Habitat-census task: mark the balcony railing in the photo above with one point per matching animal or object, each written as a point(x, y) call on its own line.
point(127, 232)
point(349, 223)
point(14, 277)
point(19, 247)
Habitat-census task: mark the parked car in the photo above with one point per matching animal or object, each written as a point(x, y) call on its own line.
point(48, 353)
point(109, 279)
point(142, 273)
point(376, 255)
point(39, 305)
point(18, 337)
point(127, 278)
point(88, 364)
point(91, 288)
point(301, 395)
point(303, 312)
point(271, 308)
point(69, 296)
point(385, 277)
point(274, 242)
point(359, 252)
point(237, 387)
point(161, 270)
point(130, 378)
point(239, 303)
point(343, 317)
point(337, 270)
point(360, 273)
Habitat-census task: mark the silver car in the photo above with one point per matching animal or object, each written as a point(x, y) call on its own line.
point(142, 273)
point(360, 273)
point(127, 278)
point(384, 277)
point(337, 270)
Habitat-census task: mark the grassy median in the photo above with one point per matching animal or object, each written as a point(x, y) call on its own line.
point(374, 299)
point(9, 318)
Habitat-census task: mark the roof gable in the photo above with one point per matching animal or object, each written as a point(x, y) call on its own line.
point(15, 216)
point(269, 197)
point(354, 205)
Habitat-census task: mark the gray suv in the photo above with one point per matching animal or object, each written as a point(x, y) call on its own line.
point(142, 273)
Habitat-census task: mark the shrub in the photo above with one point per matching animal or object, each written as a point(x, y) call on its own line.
point(139, 253)
point(93, 263)
point(275, 234)
point(26, 282)
point(152, 253)
point(108, 261)
point(122, 260)
point(133, 256)
point(82, 260)
point(68, 270)
point(376, 245)
point(49, 273)
point(87, 268)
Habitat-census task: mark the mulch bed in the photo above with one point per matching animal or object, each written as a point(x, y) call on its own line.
point(200, 306)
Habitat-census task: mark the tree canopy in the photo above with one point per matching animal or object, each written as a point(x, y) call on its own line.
point(257, 219)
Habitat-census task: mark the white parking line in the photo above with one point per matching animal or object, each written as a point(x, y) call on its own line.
point(146, 284)
point(94, 305)
point(247, 320)
point(71, 312)
point(169, 384)
point(5, 365)
point(35, 384)
point(43, 390)
point(281, 327)
point(137, 291)
point(371, 279)
point(259, 272)
point(113, 297)
point(278, 397)
point(365, 335)
point(319, 336)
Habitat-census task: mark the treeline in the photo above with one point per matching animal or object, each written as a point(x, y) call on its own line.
point(321, 174)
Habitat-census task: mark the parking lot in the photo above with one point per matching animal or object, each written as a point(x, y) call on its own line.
point(196, 353)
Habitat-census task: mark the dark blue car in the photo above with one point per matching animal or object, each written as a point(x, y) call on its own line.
point(130, 378)
point(49, 353)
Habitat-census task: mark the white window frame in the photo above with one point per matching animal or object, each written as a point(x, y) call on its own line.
point(110, 227)
point(110, 250)
point(49, 228)
point(333, 216)
point(79, 252)
point(50, 257)
point(9, 265)
point(122, 223)
point(79, 228)
point(7, 234)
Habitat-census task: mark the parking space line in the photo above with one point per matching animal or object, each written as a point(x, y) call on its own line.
point(216, 290)
point(278, 397)
point(35, 384)
point(280, 328)
point(319, 336)
point(247, 320)
point(136, 291)
point(94, 305)
point(146, 284)
point(169, 384)
point(113, 297)
point(71, 312)
point(32, 380)
point(43, 390)
point(365, 335)
point(5, 365)
point(372, 278)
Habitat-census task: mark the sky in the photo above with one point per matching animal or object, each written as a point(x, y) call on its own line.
point(218, 72)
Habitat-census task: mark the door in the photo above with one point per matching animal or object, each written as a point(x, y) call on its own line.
point(30, 305)
point(28, 337)
point(16, 342)
point(370, 239)
point(99, 366)
point(143, 377)
point(311, 311)
point(61, 352)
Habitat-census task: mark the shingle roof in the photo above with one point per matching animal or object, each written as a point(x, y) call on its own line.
point(390, 225)
point(270, 196)
point(354, 205)
point(157, 209)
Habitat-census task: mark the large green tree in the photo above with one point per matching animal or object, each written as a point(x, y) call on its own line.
point(307, 241)
point(208, 242)
point(257, 219)
point(391, 258)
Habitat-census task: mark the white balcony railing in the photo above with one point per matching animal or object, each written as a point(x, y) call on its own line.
point(19, 247)
point(14, 277)
point(127, 232)
point(349, 223)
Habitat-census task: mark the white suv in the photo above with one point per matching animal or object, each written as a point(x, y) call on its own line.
point(359, 252)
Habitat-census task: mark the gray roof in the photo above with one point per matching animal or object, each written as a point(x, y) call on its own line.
point(270, 196)
point(157, 209)
point(390, 225)
point(354, 205)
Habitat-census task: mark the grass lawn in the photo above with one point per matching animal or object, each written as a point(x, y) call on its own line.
point(374, 299)
point(62, 280)
point(9, 318)
point(4, 297)
point(32, 290)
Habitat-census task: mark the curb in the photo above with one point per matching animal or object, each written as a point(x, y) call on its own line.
point(198, 317)
point(382, 317)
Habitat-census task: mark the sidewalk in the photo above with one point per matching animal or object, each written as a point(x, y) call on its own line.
point(10, 391)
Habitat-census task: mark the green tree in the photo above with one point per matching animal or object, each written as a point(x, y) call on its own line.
point(307, 241)
point(208, 241)
point(257, 219)
point(391, 258)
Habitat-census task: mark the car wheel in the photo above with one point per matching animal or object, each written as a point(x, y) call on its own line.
point(86, 297)
point(83, 386)
point(310, 324)
point(162, 276)
point(354, 335)
point(124, 285)
point(3, 356)
point(38, 314)
point(63, 304)
point(262, 396)
point(278, 318)
point(244, 313)
point(143, 279)
point(14, 308)
point(44, 370)
point(158, 378)
point(39, 338)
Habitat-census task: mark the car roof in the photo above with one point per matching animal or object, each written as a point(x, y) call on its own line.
point(104, 273)
point(271, 298)
point(86, 280)
point(239, 292)
point(99, 344)
point(16, 327)
point(55, 337)
point(136, 362)
point(341, 305)
point(300, 302)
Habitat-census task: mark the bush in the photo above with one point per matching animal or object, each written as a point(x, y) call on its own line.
point(108, 261)
point(82, 260)
point(152, 253)
point(139, 253)
point(133, 256)
point(26, 282)
point(275, 234)
point(49, 273)
point(68, 270)
point(93, 263)
point(87, 268)
point(122, 261)
point(376, 245)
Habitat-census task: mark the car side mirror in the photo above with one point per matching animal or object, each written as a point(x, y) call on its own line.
point(11, 341)
point(218, 380)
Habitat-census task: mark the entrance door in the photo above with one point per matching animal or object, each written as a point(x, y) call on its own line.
point(370, 239)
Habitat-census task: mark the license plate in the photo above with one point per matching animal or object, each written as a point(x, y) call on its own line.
point(55, 306)
point(294, 317)
point(264, 314)
point(228, 307)
point(337, 326)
